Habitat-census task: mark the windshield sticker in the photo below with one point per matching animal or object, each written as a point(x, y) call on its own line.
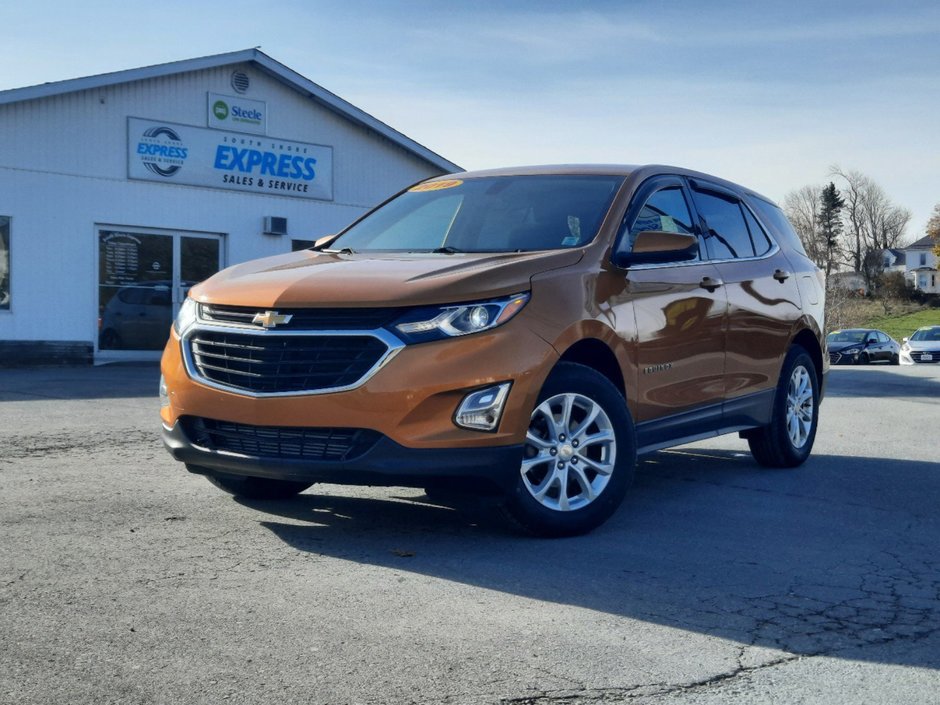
point(667, 224)
point(435, 185)
point(570, 241)
point(574, 226)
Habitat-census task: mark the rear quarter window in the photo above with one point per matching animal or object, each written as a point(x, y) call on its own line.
point(780, 227)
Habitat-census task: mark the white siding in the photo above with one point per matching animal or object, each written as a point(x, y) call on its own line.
point(85, 133)
point(63, 170)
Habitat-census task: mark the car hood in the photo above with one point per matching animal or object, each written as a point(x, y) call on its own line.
point(308, 278)
point(923, 344)
point(839, 347)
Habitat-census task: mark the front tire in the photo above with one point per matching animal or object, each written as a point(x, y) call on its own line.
point(256, 487)
point(788, 440)
point(895, 359)
point(579, 457)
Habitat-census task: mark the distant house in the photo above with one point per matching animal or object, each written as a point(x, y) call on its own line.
point(850, 281)
point(894, 260)
point(917, 262)
point(920, 265)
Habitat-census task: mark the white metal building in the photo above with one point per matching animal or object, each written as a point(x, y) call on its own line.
point(119, 191)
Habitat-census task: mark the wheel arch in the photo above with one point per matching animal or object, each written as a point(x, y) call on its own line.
point(596, 354)
point(809, 342)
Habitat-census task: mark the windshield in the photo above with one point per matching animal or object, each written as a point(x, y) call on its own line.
point(928, 334)
point(847, 336)
point(487, 214)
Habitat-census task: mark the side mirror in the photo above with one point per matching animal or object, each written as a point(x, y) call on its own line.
point(658, 247)
point(324, 241)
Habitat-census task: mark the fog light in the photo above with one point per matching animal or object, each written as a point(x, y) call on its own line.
point(164, 397)
point(482, 409)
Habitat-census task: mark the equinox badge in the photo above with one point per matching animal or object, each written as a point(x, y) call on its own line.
point(270, 319)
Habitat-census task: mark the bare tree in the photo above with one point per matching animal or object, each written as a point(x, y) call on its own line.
point(872, 222)
point(856, 183)
point(933, 228)
point(884, 222)
point(802, 210)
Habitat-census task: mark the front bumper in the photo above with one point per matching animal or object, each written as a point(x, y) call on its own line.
point(411, 400)
point(840, 358)
point(917, 357)
point(386, 463)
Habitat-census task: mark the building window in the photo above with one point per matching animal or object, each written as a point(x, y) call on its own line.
point(4, 263)
point(923, 259)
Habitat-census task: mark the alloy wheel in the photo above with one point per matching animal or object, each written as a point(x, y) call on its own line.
point(800, 407)
point(570, 452)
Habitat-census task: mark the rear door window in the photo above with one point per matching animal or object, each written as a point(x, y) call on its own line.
point(726, 233)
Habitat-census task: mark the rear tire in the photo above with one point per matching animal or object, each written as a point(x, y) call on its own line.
point(256, 487)
point(579, 456)
point(788, 440)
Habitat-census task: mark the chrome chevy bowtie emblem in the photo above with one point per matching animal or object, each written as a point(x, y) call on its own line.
point(270, 319)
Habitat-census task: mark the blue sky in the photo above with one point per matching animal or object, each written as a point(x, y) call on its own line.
point(769, 95)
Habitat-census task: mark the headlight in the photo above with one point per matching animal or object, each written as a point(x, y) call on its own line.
point(448, 321)
point(906, 347)
point(851, 351)
point(186, 317)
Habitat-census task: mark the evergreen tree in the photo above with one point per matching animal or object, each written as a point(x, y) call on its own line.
point(830, 223)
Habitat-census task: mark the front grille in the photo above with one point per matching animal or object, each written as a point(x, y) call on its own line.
point(917, 355)
point(283, 442)
point(834, 358)
point(306, 318)
point(283, 364)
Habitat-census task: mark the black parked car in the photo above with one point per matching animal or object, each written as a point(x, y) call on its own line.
point(859, 346)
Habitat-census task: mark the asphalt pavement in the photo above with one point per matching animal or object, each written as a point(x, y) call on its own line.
point(124, 579)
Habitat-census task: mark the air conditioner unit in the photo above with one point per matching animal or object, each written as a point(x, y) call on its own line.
point(274, 225)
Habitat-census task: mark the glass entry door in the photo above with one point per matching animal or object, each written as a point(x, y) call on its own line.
point(142, 280)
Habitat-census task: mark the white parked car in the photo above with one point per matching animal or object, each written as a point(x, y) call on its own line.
point(922, 346)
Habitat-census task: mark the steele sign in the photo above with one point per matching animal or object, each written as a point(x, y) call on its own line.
point(227, 112)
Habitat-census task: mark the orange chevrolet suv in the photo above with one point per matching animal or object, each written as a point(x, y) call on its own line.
point(523, 333)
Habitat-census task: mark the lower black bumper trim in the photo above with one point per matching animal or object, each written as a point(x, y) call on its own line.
point(386, 464)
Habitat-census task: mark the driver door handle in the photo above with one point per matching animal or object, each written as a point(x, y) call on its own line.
point(710, 283)
point(781, 276)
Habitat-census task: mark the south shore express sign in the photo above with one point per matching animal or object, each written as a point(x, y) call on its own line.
point(196, 156)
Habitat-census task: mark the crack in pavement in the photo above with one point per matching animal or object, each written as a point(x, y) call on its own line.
point(882, 600)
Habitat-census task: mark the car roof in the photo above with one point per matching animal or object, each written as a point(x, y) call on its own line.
point(639, 172)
